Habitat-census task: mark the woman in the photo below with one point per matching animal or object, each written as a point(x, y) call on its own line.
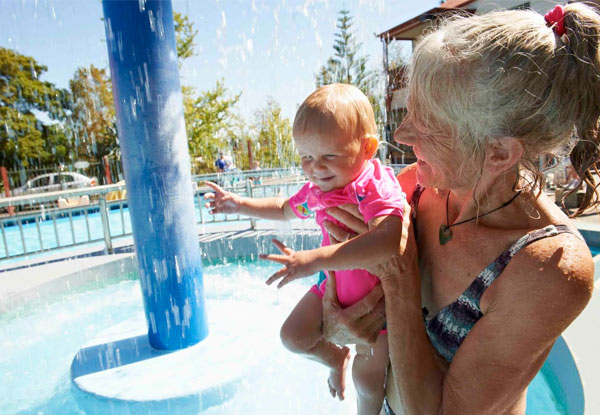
point(494, 272)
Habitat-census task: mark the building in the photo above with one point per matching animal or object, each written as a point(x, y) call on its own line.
point(410, 31)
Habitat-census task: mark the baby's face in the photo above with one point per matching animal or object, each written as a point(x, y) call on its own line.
point(330, 162)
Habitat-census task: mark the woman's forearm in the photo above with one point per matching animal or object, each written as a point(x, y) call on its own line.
point(417, 375)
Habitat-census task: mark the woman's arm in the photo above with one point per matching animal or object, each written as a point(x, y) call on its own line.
point(542, 291)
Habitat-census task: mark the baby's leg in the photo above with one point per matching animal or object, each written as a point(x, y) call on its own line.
point(301, 333)
point(368, 372)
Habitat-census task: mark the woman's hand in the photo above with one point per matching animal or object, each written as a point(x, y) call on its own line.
point(350, 216)
point(221, 201)
point(405, 262)
point(358, 324)
point(361, 322)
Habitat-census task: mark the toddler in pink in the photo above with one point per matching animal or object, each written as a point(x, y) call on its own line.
point(336, 137)
point(377, 193)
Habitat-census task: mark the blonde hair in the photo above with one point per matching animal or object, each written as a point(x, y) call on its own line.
point(340, 110)
point(508, 74)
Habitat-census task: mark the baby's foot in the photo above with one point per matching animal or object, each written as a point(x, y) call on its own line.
point(337, 375)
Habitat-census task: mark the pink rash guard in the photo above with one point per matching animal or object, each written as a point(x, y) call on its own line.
point(377, 193)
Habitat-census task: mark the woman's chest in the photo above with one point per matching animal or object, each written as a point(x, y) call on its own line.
point(447, 270)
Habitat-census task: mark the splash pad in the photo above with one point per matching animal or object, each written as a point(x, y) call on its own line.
point(163, 361)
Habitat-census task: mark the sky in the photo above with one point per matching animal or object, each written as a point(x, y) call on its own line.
point(261, 48)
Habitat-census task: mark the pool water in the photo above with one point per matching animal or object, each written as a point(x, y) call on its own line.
point(39, 345)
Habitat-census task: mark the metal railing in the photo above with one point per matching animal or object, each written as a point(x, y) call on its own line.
point(40, 225)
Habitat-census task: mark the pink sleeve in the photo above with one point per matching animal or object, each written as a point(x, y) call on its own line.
point(299, 202)
point(380, 195)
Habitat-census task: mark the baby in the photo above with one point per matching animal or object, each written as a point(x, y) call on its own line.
point(335, 134)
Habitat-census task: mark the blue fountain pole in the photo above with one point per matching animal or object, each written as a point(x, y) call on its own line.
point(148, 101)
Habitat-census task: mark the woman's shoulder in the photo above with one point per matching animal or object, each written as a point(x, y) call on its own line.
point(559, 266)
point(408, 180)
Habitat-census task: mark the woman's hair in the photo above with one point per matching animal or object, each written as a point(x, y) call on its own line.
point(508, 74)
point(336, 109)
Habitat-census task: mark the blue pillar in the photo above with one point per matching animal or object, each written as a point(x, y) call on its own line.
point(148, 102)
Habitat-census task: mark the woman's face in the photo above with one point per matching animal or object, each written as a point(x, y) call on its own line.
point(437, 159)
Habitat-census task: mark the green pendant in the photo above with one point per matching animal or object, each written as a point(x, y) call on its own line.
point(445, 234)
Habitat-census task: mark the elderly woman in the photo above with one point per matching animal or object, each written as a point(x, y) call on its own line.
point(490, 272)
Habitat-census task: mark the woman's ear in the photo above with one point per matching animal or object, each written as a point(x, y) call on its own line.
point(371, 144)
point(503, 154)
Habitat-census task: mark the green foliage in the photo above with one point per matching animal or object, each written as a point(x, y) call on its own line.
point(210, 124)
point(93, 113)
point(274, 145)
point(22, 135)
point(184, 36)
point(348, 66)
point(85, 122)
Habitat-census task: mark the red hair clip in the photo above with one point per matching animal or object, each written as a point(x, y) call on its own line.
point(555, 18)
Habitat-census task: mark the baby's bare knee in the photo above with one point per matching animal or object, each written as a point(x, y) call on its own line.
point(295, 340)
point(368, 380)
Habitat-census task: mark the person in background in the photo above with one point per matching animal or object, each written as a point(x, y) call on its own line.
point(335, 133)
point(256, 166)
point(220, 163)
point(489, 271)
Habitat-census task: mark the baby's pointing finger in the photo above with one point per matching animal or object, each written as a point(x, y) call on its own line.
point(280, 259)
point(214, 186)
point(281, 273)
point(281, 246)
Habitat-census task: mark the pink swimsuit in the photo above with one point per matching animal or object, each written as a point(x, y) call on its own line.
point(377, 193)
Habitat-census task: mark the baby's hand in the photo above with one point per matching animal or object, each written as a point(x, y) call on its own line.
point(295, 264)
point(221, 201)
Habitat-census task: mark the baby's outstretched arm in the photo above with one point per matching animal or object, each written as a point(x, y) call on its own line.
point(222, 201)
point(364, 251)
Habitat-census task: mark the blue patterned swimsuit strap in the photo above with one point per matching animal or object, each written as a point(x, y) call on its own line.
point(488, 275)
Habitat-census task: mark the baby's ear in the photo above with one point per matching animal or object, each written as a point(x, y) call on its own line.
point(371, 144)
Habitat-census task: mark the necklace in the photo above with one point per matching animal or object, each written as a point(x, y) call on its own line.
point(446, 232)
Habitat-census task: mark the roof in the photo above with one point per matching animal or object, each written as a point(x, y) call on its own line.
point(412, 28)
point(455, 4)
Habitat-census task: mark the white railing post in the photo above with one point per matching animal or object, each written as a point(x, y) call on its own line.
point(249, 193)
point(105, 224)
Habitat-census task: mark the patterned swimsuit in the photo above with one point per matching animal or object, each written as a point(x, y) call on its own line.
point(449, 327)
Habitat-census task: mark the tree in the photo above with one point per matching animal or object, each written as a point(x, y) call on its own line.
point(93, 113)
point(184, 36)
point(274, 137)
point(210, 123)
point(348, 66)
point(24, 98)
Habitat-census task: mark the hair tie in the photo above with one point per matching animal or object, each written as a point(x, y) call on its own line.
point(555, 19)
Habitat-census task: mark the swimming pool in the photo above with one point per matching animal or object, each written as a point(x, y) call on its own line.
point(79, 229)
point(39, 344)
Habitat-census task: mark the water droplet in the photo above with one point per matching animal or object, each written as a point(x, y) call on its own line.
point(152, 20)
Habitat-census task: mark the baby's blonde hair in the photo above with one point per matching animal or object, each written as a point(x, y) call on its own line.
point(339, 110)
point(508, 74)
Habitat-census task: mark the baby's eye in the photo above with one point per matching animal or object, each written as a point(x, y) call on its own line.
point(307, 158)
point(329, 156)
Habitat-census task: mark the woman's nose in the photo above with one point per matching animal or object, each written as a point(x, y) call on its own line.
point(405, 134)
